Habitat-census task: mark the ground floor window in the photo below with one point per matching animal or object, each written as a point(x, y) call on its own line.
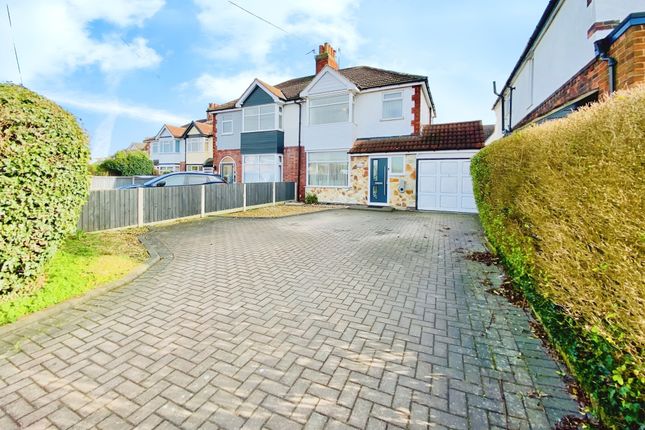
point(262, 168)
point(327, 169)
point(168, 168)
point(194, 168)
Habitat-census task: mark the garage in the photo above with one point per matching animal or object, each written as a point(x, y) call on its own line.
point(445, 185)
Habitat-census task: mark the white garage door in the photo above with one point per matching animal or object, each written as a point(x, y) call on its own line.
point(445, 185)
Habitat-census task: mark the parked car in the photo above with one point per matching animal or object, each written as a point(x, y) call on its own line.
point(179, 179)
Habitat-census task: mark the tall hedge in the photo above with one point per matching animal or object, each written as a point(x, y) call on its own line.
point(563, 204)
point(43, 182)
point(128, 163)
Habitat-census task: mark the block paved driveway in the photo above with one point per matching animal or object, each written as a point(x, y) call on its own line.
point(337, 319)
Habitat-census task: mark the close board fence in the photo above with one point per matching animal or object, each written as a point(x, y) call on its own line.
point(108, 209)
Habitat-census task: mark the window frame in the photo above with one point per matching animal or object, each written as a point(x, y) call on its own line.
point(277, 115)
point(383, 100)
point(224, 121)
point(278, 169)
point(349, 169)
point(194, 140)
point(349, 103)
point(391, 170)
point(191, 168)
point(175, 143)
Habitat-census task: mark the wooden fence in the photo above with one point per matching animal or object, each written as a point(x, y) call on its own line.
point(114, 182)
point(107, 209)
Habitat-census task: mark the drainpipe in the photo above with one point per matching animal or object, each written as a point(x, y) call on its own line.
point(602, 50)
point(299, 145)
point(510, 109)
point(500, 96)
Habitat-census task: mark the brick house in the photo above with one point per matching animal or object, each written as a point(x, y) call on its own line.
point(184, 148)
point(307, 130)
point(578, 52)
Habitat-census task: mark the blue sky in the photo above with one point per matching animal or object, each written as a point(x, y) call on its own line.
point(125, 67)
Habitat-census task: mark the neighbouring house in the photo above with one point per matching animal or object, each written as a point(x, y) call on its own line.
point(579, 51)
point(184, 148)
point(307, 130)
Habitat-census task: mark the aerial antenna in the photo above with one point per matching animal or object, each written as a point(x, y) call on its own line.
point(15, 51)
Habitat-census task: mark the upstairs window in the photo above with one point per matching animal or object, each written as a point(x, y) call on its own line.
point(329, 109)
point(260, 118)
point(227, 126)
point(155, 147)
point(393, 105)
point(169, 145)
point(195, 144)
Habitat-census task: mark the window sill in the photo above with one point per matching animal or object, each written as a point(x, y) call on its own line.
point(393, 119)
point(226, 134)
point(345, 187)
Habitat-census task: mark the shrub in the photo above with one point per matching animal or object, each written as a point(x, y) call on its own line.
point(311, 199)
point(563, 206)
point(43, 182)
point(128, 163)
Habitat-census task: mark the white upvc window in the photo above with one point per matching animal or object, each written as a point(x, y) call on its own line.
point(329, 109)
point(262, 168)
point(262, 118)
point(167, 169)
point(227, 127)
point(155, 147)
point(392, 105)
point(328, 169)
point(397, 165)
point(195, 144)
point(195, 168)
point(169, 146)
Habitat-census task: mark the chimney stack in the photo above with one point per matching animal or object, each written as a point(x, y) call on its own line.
point(326, 57)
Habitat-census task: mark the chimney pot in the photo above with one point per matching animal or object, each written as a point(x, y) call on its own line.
point(326, 57)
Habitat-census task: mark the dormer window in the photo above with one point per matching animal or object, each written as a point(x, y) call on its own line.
point(329, 109)
point(262, 118)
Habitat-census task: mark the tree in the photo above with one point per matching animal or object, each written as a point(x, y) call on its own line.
point(128, 163)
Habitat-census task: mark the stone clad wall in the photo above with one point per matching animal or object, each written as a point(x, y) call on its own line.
point(407, 198)
point(356, 193)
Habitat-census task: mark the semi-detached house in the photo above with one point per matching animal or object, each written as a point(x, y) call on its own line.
point(358, 135)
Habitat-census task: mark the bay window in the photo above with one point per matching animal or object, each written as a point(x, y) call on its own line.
point(262, 118)
point(195, 144)
point(329, 109)
point(327, 169)
point(393, 105)
point(262, 168)
point(169, 145)
point(155, 147)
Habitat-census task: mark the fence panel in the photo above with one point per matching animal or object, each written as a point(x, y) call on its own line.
point(114, 182)
point(106, 209)
point(284, 191)
point(259, 193)
point(223, 197)
point(164, 203)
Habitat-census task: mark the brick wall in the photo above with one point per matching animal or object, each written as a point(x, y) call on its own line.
point(235, 155)
point(629, 52)
point(416, 110)
point(290, 168)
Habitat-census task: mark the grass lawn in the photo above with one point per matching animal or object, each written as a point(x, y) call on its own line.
point(83, 262)
point(280, 211)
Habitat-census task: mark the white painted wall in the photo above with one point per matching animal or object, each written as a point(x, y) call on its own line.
point(425, 111)
point(231, 141)
point(290, 124)
point(368, 114)
point(561, 51)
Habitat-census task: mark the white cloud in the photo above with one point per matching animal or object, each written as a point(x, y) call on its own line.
point(116, 107)
point(102, 137)
point(53, 37)
point(237, 34)
point(222, 88)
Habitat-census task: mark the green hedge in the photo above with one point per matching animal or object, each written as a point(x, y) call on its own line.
point(563, 205)
point(43, 183)
point(128, 163)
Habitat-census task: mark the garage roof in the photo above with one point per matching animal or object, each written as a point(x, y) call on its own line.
point(434, 137)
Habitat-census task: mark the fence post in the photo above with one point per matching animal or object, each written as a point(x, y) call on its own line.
point(295, 191)
point(274, 194)
point(140, 207)
point(203, 201)
point(244, 198)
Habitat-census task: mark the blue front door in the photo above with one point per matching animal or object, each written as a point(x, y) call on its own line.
point(378, 180)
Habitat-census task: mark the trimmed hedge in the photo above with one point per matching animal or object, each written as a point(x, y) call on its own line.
point(563, 205)
point(43, 182)
point(128, 163)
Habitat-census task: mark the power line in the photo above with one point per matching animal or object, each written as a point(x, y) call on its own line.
point(259, 17)
point(15, 51)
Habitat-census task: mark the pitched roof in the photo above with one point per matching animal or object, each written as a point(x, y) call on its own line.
point(364, 77)
point(434, 137)
point(175, 131)
point(205, 127)
point(489, 129)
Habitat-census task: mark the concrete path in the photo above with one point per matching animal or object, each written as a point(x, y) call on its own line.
point(336, 319)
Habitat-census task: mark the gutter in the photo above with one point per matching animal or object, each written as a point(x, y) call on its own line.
point(299, 147)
